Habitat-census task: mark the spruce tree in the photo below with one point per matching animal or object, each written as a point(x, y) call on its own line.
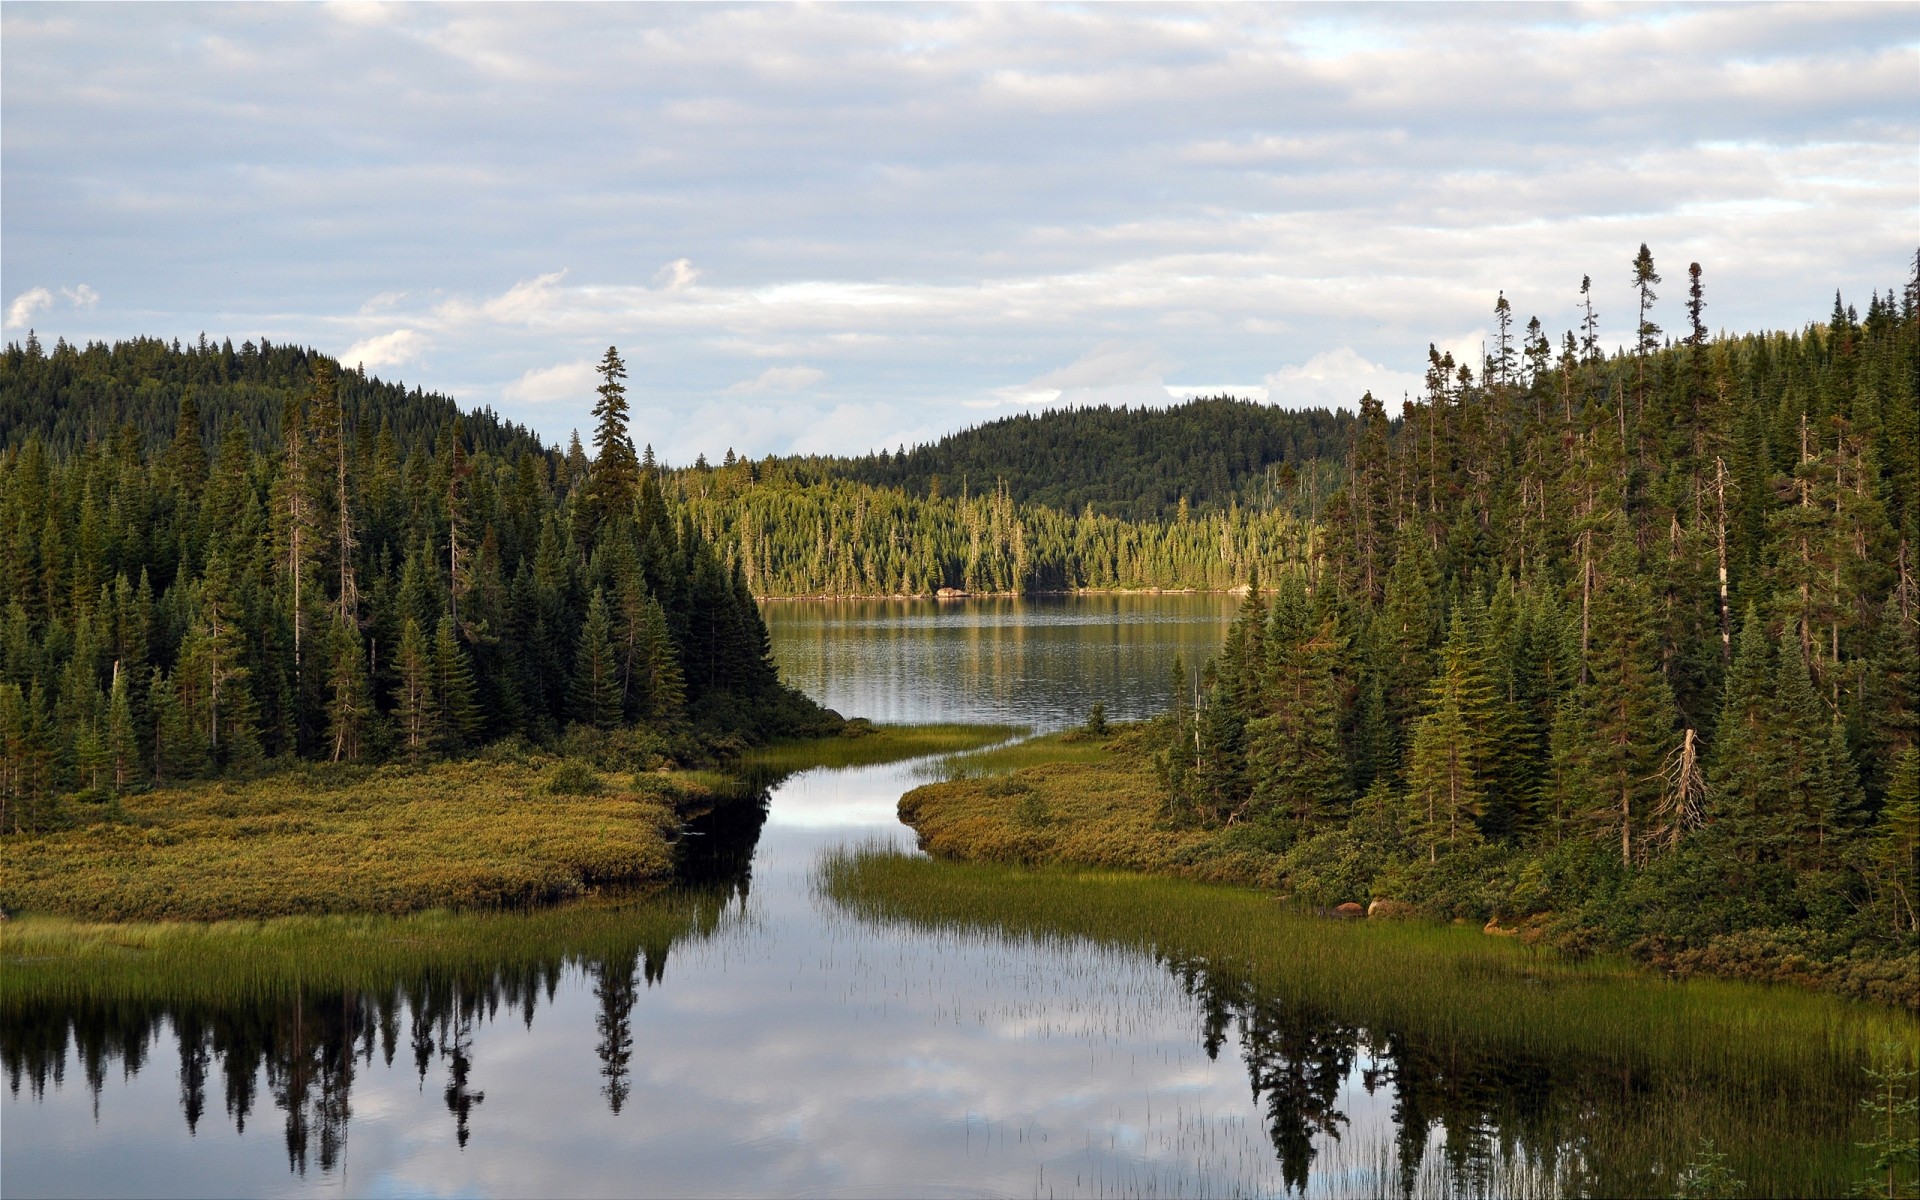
point(459, 719)
point(1293, 749)
point(350, 709)
point(596, 670)
point(1446, 769)
point(614, 478)
point(1628, 706)
point(416, 712)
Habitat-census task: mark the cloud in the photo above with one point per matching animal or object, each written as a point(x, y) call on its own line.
point(1337, 379)
point(1109, 373)
point(26, 304)
point(386, 350)
point(676, 276)
point(934, 205)
point(780, 379)
point(566, 381)
point(81, 296)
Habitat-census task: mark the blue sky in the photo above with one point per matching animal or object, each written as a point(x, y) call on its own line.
point(842, 228)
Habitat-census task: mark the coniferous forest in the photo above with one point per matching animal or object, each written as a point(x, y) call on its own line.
point(1629, 638)
point(361, 575)
point(1628, 632)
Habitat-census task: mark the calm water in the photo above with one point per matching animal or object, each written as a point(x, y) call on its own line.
point(793, 1050)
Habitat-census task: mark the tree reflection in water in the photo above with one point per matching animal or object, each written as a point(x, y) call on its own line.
point(307, 1045)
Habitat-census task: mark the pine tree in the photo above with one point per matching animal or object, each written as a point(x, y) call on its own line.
point(1896, 845)
point(459, 719)
point(415, 711)
point(1293, 749)
point(1446, 770)
point(350, 708)
point(1743, 789)
point(122, 735)
point(596, 671)
point(661, 690)
point(1629, 708)
point(615, 477)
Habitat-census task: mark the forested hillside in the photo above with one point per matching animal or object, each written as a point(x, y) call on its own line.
point(196, 609)
point(1141, 464)
point(1630, 639)
point(799, 534)
point(71, 395)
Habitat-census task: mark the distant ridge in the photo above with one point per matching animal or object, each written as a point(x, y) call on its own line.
point(1136, 463)
point(70, 395)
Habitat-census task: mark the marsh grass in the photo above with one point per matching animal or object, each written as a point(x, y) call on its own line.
point(389, 840)
point(1651, 1066)
point(881, 744)
point(1071, 746)
point(59, 959)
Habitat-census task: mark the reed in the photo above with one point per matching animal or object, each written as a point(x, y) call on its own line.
point(879, 744)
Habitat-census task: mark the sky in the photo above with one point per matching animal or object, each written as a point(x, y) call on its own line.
point(839, 229)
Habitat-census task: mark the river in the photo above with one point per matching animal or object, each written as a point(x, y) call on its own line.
point(788, 1048)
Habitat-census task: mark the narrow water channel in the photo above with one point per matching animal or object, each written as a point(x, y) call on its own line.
point(784, 1047)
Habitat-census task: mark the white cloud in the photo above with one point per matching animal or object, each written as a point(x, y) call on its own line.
point(81, 296)
point(1110, 373)
point(676, 276)
point(781, 379)
point(1202, 391)
point(385, 350)
point(573, 381)
point(21, 311)
point(1337, 379)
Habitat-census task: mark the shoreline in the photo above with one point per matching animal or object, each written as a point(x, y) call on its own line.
point(954, 594)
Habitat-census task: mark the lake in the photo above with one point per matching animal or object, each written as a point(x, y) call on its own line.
point(780, 1043)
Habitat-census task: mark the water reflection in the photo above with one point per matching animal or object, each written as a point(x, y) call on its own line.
point(773, 1042)
point(1027, 661)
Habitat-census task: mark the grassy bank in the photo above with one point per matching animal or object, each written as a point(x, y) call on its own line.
point(506, 829)
point(1625, 1073)
point(1070, 798)
point(1097, 802)
point(383, 840)
point(225, 962)
point(867, 745)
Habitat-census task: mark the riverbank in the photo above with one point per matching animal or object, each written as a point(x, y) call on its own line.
point(1045, 593)
point(1637, 1071)
point(509, 828)
point(1097, 802)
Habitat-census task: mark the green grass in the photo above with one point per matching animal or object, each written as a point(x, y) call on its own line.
point(1644, 1067)
point(1065, 747)
point(878, 744)
point(330, 840)
point(59, 959)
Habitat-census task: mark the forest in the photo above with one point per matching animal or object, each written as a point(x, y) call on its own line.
point(363, 575)
point(1142, 464)
point(1623, 642)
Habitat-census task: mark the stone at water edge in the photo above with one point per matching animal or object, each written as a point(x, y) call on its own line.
point(1349, 910)
point(1387, 910)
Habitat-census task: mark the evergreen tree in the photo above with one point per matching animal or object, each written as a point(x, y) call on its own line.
point(615, 476)
point(1446, 787)
point(596, 671)
point(416, 712)
point(350, 709)
point(1293, 750)
point(459, 719)
point(122, 735)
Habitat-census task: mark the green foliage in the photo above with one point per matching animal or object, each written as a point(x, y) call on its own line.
point(356, 571)
point(1707, 1176)
point(1144, 464)
point(1892, 1110)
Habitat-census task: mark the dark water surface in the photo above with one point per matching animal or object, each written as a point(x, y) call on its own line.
point(786, 1047)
